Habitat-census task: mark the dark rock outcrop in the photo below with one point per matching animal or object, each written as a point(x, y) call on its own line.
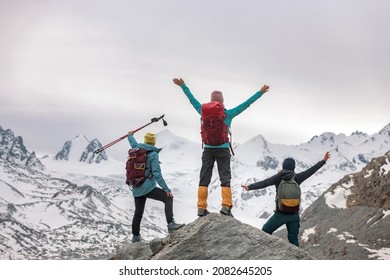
point(214, 237)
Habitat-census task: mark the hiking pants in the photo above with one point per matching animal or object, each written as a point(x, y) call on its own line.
point(290, 220)
point(222, 157)
point(156, 194)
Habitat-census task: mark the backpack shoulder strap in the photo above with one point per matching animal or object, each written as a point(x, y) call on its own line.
point(146, 165)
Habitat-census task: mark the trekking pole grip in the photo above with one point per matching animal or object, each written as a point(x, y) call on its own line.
point(156, 119)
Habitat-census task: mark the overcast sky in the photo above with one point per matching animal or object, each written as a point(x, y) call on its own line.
point(101, 68)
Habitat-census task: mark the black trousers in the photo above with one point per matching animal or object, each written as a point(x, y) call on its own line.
point(156, 194)
point(209, 157)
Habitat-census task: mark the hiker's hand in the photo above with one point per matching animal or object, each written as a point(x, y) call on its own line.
point(245, 187)
point(264, 89)
point(178, 82)
point(131, 132)
point(170, 194)
point(326, 156)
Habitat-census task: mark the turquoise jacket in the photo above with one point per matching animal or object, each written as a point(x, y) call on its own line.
point(230, 114)
point(152, 168)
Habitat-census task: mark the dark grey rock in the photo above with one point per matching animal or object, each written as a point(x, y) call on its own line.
point(218, 237)
point(133, 251)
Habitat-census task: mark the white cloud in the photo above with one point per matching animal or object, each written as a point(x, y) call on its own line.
point(113, 63)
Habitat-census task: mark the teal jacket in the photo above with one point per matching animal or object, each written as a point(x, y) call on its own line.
point(230, 114)
point(152, 168)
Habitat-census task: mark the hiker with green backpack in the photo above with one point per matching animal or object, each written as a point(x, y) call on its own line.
point(288, 197)
point(216, 143)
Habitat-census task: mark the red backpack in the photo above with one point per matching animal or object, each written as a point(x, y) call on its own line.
point(213, 129)
point(136, 167)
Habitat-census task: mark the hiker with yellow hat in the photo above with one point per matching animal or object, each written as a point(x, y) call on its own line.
point(149, 189)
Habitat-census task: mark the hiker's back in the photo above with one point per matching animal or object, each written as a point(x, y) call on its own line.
point(214, 131)
point(288, 196)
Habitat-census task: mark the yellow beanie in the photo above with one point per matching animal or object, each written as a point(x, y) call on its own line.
point(150, 139)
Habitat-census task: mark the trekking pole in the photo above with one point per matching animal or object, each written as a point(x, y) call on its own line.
point(124, 136)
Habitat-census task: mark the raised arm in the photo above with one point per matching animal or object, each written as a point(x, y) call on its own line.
point(194, 102)
point(262, 184)
point(245, 105)
point(309, 172)
point(131, 139)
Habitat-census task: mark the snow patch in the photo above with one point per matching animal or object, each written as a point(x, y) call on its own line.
point(368, 173)
point(386, 212)
point(381, 254)
point(385, 168)
point(345, 236)
point(307, 232)
point(338, 199)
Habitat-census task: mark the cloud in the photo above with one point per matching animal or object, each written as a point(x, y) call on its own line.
point(83, 64)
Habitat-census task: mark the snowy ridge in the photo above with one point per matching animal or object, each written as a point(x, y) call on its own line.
point(71, 197)
point(80, 149)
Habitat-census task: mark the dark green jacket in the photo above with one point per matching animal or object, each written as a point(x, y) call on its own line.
point(287, 175)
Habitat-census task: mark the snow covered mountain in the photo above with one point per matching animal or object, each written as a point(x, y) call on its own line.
point(13, 150)
point(80, 149)
point(71, 208)
point(258, 159)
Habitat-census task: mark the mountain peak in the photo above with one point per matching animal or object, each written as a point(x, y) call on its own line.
point(328, 137)
point(13, 149)
point(80, 149)
point(386, 130)
point(359, 133)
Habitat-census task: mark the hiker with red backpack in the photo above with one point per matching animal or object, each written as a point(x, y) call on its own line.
point(288, 197)
point(217, 145)
point(146, 187)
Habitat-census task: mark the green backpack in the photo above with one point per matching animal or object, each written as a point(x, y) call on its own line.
point(288, 197)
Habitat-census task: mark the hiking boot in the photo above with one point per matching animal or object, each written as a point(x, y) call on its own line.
point(136, 238)
point(174, 226)
point(202, 212)
point(225, 210)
